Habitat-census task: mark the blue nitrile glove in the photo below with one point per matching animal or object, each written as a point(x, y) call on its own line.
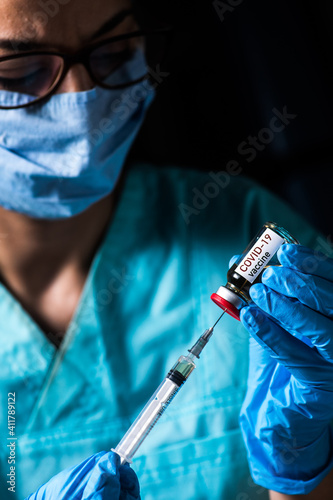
point(99, 477)
point(285, 418)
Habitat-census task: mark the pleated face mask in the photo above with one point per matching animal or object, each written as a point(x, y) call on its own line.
point(58, 158)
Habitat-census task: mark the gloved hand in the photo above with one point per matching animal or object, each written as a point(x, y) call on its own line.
point(99, 477)
point(286, 414)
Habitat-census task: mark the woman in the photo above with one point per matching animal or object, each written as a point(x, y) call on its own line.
point(106, 274)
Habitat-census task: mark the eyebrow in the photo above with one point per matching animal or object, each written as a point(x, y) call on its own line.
point(27, 45)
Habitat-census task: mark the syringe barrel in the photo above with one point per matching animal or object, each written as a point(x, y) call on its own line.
point(154, 409)
point(148, 417)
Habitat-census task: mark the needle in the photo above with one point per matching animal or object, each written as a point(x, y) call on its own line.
point(202, 341)
point(218, 320)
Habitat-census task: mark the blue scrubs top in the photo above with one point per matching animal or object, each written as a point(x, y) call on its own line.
point(145, 302)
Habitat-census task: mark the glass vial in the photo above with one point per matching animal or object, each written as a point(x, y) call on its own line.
point(247, 269)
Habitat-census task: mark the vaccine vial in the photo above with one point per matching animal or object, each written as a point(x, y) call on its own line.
point(247, 269)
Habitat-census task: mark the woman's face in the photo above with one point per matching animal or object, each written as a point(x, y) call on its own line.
point(60, 24)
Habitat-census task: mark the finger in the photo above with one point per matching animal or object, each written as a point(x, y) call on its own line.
point(71, 481)
point(129, 483)
point(263, 358)
point(303, 362)
point(312, 291)
point(296, 318)
point(104, 481)
point(306, 260)
point(261, 363)
point(233, 260)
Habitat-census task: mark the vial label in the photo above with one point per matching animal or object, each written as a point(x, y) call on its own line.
point(259, 255)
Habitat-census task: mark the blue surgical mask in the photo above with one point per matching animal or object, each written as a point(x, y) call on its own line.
point(59, 158)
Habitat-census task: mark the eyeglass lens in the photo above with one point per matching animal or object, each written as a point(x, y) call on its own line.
point(114, 64)
point(33, 75)
point(119, 63)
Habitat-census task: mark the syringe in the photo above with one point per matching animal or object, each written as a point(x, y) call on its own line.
point(161, 399)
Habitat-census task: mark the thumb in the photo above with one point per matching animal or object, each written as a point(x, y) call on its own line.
point(109, 480)
point(233, 259)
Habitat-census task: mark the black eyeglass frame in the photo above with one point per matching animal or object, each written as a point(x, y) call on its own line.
point(83, 57)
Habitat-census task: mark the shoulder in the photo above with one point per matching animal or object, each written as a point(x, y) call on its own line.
point(218, 205)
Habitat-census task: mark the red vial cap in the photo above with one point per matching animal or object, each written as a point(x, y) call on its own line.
point(225, 305)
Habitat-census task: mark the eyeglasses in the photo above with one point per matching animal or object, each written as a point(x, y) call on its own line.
point(115, 63)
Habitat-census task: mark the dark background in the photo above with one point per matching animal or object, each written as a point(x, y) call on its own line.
point(228, 70)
